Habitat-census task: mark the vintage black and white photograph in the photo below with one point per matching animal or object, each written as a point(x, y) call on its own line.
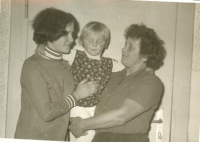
point(99, 71)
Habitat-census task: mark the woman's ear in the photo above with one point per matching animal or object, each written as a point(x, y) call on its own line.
point(143, 58)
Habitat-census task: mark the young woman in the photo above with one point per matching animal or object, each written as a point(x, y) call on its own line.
point(46, 80)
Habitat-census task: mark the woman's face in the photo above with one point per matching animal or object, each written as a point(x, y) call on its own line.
point(130, 53)
point(64, 43)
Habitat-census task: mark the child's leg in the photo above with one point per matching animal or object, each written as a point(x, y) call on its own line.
point(83, 112)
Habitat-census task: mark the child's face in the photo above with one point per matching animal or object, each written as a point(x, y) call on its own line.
point(94, 43)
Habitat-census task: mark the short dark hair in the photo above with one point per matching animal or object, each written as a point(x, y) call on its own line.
point(151, 46)
point(50, 24)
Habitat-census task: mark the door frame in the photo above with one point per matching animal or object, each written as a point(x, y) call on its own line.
point(182, 72)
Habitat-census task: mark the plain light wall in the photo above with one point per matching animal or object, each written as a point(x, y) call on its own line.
point(5, 14)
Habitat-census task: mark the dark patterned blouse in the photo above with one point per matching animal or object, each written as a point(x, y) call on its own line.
point(84, 67)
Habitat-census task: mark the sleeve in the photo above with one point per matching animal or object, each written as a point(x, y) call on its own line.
point(147, 92)
point(117, 66)
point(36, 86)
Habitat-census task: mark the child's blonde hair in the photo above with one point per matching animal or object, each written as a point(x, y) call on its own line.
point(98, 27)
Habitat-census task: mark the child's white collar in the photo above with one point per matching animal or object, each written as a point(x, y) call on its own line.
point(97, 57)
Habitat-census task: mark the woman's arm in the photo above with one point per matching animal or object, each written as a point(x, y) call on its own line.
point(116, 117)
point(34, 83)
point(140, 99)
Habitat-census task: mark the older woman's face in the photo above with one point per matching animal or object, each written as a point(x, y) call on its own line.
point(64, 43)
point(130, 53)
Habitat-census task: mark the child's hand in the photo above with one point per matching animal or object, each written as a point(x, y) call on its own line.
point(40, 49)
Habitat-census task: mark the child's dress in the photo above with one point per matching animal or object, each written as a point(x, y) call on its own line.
point(91, 69)
point(97, 68)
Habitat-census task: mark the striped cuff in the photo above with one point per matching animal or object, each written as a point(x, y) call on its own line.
point(71, 101)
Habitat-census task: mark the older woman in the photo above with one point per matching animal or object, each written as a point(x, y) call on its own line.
point(132, 95)
point(47, 85)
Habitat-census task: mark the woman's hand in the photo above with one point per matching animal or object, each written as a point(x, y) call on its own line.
point(40, 49)
point(85, 88)
point(76, 127)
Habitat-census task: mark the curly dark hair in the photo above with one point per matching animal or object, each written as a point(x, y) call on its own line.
point(151, 46)
point(50, 24)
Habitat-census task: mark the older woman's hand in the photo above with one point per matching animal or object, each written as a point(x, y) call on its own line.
point(76, 127)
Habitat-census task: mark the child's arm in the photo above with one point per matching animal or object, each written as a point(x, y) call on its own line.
point(117, 66)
